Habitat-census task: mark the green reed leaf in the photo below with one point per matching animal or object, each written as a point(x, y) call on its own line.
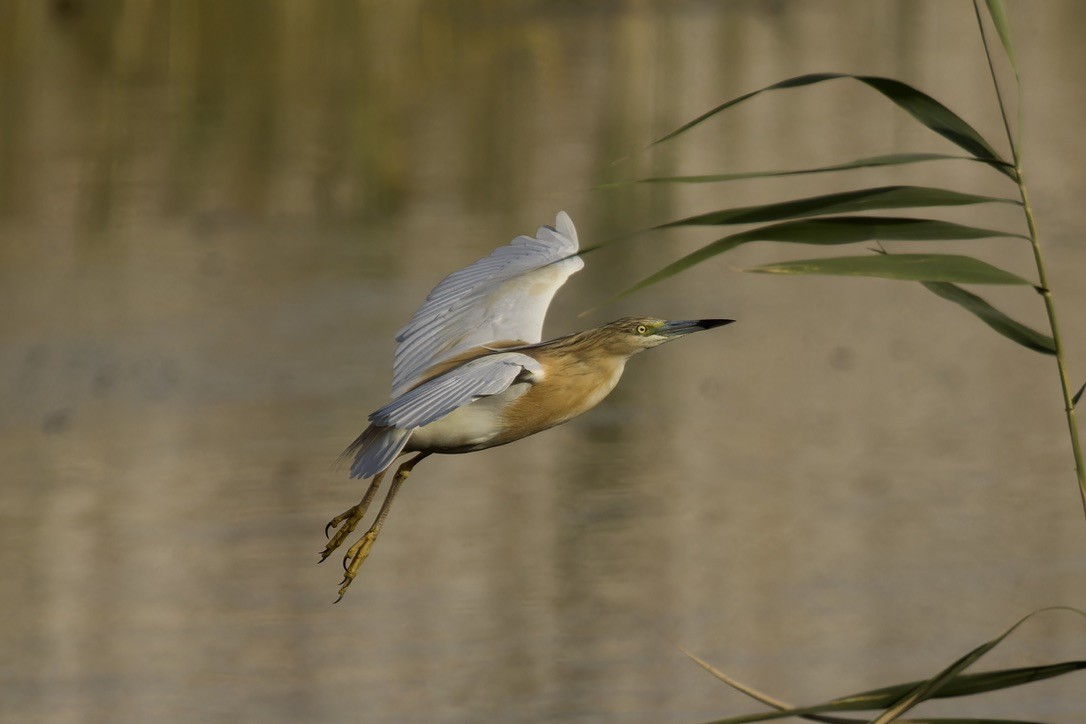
point(831, 231)
point(893, 159)
point(925, 109)
point(999, 19)
point(931, 688)
point(870, 199)
point(997, 320)
point(956, 686)
point(1078, 395)
point(905, 267)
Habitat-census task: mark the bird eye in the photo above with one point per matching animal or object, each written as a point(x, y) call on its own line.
point(641, 329)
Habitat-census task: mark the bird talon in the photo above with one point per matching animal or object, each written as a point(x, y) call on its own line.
point(335, 522)
point(355, 557)
point(349, 520)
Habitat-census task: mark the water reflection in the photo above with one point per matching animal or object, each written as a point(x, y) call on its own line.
point(214, 219)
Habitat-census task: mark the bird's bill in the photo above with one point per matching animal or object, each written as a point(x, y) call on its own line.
point(686, 326)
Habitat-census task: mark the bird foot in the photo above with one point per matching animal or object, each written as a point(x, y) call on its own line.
point(350, 519)
point(345, 523)
point(353, 560)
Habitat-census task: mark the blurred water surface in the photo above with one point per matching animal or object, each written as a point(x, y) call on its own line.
point(213, 219)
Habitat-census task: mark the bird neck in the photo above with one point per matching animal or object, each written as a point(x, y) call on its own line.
point(577, 357)
point(592, 345)
point(572, 382)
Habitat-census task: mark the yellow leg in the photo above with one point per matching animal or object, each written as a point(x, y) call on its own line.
point(356, 554)
point(350, 518)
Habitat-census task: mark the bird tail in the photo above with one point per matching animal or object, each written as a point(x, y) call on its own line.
point(375, 449)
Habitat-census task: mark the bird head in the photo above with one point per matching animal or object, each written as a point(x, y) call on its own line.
point(631, 335)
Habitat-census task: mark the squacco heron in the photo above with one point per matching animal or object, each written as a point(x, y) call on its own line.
point(471, 373)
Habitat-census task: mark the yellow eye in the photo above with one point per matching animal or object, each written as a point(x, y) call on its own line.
point(641, 329)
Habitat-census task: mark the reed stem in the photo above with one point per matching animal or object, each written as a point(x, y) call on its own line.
point(1042, 276)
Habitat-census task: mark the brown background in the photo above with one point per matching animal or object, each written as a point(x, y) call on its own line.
point(215, 216)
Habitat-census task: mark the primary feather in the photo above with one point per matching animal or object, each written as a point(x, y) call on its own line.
point(503, 296)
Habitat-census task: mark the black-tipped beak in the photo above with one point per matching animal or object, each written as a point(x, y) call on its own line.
point(676, 329)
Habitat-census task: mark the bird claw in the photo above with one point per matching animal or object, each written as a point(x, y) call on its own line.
point(352, 512)
point(353, 560)
point(349, 519)
point(345, 523)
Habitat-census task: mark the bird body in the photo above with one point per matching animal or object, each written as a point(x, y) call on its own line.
point(471, 373)
point(475, 426)
point(567, 383)
point(571, 385)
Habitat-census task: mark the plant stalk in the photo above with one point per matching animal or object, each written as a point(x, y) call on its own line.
point(1050, 308)
point(1042, 276)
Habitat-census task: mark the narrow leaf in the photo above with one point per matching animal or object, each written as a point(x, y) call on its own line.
point(762, 697)
point(882, 197)
point(849, 229)
point(919, 105)
point(795, 82)
point(957, 686)
point(962, 685)
point(950, 682)
point(929, 689)
point(827, 232)
point(842, 720)
point(997, 320)
point(969, 720)
point(933, 114)
point(1078, 395)
point(999, 19)
point(893, 159)
point(905, 267)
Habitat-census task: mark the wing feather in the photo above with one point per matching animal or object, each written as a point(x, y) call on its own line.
point(501, 297)
point(391, 426)
point(375, 449)
point(433, 400)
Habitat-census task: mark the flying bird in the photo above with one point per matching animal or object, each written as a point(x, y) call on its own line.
point(470, 371)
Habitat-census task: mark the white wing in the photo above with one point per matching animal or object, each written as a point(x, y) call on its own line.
point(391, 426)
point(375, 449)
point(502, 297)
point(438, 397)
